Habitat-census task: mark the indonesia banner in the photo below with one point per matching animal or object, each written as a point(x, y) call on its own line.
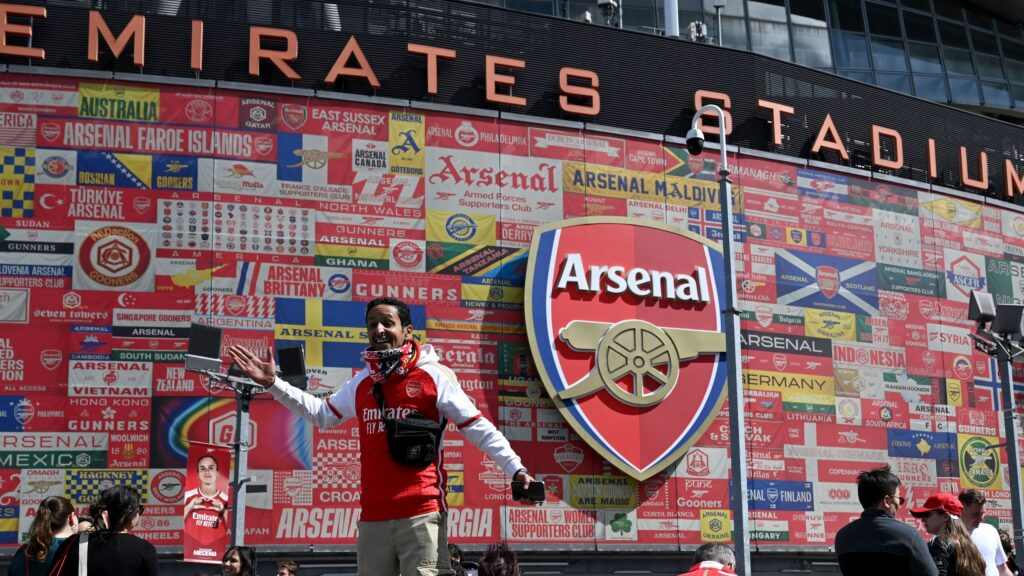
point(205, 534)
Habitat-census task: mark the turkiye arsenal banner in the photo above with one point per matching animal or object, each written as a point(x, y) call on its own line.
point(625, 325)
point(205, 532)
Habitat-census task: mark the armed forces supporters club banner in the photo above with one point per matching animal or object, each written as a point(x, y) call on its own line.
point(128, 211)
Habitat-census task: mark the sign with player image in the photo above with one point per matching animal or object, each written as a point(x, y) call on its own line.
point(205, 533)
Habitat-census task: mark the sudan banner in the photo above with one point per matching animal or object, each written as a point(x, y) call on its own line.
point(205, 533)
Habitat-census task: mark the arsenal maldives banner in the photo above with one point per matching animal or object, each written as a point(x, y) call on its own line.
point(129, 211)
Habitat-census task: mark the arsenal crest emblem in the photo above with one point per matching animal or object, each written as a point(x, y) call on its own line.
point(828, 280)
point(293, 115)
point(51, 358)
point(628, 336)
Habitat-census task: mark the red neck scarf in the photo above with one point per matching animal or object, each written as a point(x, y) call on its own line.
point(384, 363)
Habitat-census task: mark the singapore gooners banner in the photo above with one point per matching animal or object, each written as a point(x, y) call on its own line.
point(624, 322)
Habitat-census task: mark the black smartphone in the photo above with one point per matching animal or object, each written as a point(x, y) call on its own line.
point(534, 491)
point(291, 361)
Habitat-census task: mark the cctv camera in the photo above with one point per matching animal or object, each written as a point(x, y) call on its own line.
point(695, 141)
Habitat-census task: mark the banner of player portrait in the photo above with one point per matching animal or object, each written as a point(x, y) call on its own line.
point(207, 500)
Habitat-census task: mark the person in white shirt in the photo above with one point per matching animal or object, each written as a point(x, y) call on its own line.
point(984, 536)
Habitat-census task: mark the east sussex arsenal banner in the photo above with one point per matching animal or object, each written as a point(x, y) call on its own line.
point(624, 322)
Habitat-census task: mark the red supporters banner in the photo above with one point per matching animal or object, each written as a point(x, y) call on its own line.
point(205, 533)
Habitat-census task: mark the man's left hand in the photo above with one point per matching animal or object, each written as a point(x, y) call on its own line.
point(525, 477)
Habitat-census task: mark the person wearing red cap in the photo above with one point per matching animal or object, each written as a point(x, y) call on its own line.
point(952, 549)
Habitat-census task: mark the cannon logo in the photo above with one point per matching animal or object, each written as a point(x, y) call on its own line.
point(624, 324)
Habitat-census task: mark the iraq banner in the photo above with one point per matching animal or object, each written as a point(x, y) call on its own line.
point(205, 533)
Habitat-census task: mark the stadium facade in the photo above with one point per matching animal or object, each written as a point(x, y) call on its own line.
point(270, 167)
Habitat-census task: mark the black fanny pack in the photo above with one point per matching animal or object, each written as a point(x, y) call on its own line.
point(414, 440)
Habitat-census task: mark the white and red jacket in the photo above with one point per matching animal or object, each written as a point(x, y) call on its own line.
point(391, 490)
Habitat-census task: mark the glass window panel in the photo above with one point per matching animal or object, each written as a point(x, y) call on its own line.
point(769, 34)
point(1015, 69)
point(978, 19)
point(847, 15)
point(810, 33)
point(897, 82)
point(813, 9)
point(889, 55)
point(996, 94)
point(989, 66)
point(1014, 50)
point(931, 88)
point(734, 32)
point(1018, 95)
point(864, 77)
point(811, 45)
point(949, 9)
point(919, 27)
point(734, 25)
point(640, 15)
point(535, 6)
point(964, 90)
point(918, 5)
point(575, 9)
point(851, 50)
point(924, 58)
point(883, 20)
point(731, 8)
point(984, 43)
point(953, 35)
point(958, 61)
point(1007, 29)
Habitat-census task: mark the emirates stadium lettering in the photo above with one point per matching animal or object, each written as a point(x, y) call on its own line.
point(637, 281)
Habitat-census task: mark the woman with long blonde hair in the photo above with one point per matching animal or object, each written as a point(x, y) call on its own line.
point(952, 549)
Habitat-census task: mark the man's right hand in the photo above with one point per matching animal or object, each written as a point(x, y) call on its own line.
point(260, 371)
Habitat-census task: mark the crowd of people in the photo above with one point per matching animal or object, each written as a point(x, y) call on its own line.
point(962, 544)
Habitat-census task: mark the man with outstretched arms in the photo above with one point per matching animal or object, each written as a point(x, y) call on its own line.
point(403, 525)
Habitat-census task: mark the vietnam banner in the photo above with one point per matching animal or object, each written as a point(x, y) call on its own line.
point(205, 533)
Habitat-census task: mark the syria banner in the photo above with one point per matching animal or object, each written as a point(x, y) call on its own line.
point(205, 533)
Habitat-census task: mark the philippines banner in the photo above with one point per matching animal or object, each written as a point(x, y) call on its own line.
point(205, 533)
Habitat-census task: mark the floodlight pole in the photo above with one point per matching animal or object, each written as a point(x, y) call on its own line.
point(240, 447)
point(1003, 358)
point(737, 429)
